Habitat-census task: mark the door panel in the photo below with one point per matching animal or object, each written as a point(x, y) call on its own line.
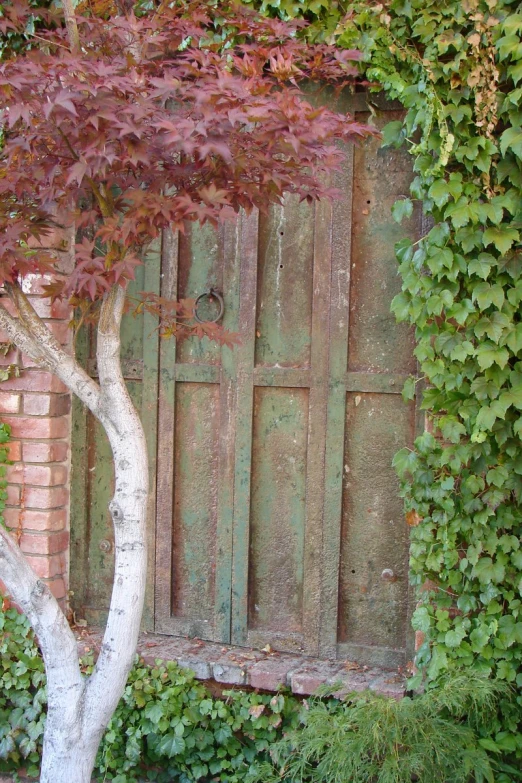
point(373, 580)
point(194, 519)
point(278, 510)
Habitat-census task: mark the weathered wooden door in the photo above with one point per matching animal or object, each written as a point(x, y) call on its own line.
point(277, 513)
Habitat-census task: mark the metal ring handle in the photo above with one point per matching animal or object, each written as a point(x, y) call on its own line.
point(210, 294)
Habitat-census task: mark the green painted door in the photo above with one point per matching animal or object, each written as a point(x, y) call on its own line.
point(276, 518)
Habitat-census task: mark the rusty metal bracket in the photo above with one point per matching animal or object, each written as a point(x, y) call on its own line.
point(212, 294)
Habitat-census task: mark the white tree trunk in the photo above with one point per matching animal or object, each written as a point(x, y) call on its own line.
point(79, 708)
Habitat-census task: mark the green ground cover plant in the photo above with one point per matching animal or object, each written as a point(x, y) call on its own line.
point(167, 727)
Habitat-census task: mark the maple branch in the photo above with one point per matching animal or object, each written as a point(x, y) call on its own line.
point(71, 25)
point(33, 337)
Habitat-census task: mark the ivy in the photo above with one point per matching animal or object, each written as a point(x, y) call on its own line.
point(167, 726)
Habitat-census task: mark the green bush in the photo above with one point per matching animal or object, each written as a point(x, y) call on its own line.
point(432, 738)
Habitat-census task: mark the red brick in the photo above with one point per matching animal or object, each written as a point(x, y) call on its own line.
point(47, 567)
point(15, 473)
point(310, 675)
point(45, 497)
point(37, 475)
point(35, 380)
point(46, 451)
point(14, 450)
point(31, 427)
point(46, 309)
point(13, 495)
point(61, 331)
point(47, 404)
point(32, 519)
point(273, 673)
point(9, 402)
point(44, 543)
point(57, 588)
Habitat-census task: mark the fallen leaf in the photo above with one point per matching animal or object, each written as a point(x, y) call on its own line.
point(412, 518)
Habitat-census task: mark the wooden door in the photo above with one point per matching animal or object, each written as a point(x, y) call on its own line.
point(277, 516)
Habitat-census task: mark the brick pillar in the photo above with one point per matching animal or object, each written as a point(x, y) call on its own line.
point(37, 406)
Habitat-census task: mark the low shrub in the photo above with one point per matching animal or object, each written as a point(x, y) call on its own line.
point(439, 736)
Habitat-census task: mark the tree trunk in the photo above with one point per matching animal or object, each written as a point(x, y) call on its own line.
point(70, 746)
point(80, 708)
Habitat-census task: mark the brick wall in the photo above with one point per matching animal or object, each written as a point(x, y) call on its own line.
point(37, 405)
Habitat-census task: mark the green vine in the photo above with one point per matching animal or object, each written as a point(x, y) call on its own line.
point(456, 67)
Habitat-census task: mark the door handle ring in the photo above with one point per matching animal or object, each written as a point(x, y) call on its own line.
point(211, 294)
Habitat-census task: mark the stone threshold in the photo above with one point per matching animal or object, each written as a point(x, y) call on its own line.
point(265, 670)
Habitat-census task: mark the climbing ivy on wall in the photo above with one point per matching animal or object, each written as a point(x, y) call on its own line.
point(456, 67)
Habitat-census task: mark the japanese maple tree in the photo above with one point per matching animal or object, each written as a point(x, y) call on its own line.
point(113, 131)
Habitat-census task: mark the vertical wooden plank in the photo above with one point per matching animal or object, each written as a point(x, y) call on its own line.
point(227, 436)
point(149, 418)
point(335, 422)
point(315, 475)
point(245, 258)
point(373, 585)
point(166, 445)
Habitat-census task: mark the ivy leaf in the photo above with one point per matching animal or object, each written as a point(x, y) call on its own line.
point(487, 571)
point(493, 326)
point(439, 192)
point(154, 712)
point(400, 306)
point(438, 663)
point(439, 234)
point(459, 212)
point(482, 265)
point(497, 476)
point(393, 134)
point(171, 745)
point(486, 295)
point(489, 354)
point(451, 428)
point(512, 397)
point(486, 418)
point(512, 139)
point(454, 637)
point(404, 250)
point(403, 208)
point(515, 72)
point(408, 390)
point(502, 238)
point(514, 338)
point(405, 461)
